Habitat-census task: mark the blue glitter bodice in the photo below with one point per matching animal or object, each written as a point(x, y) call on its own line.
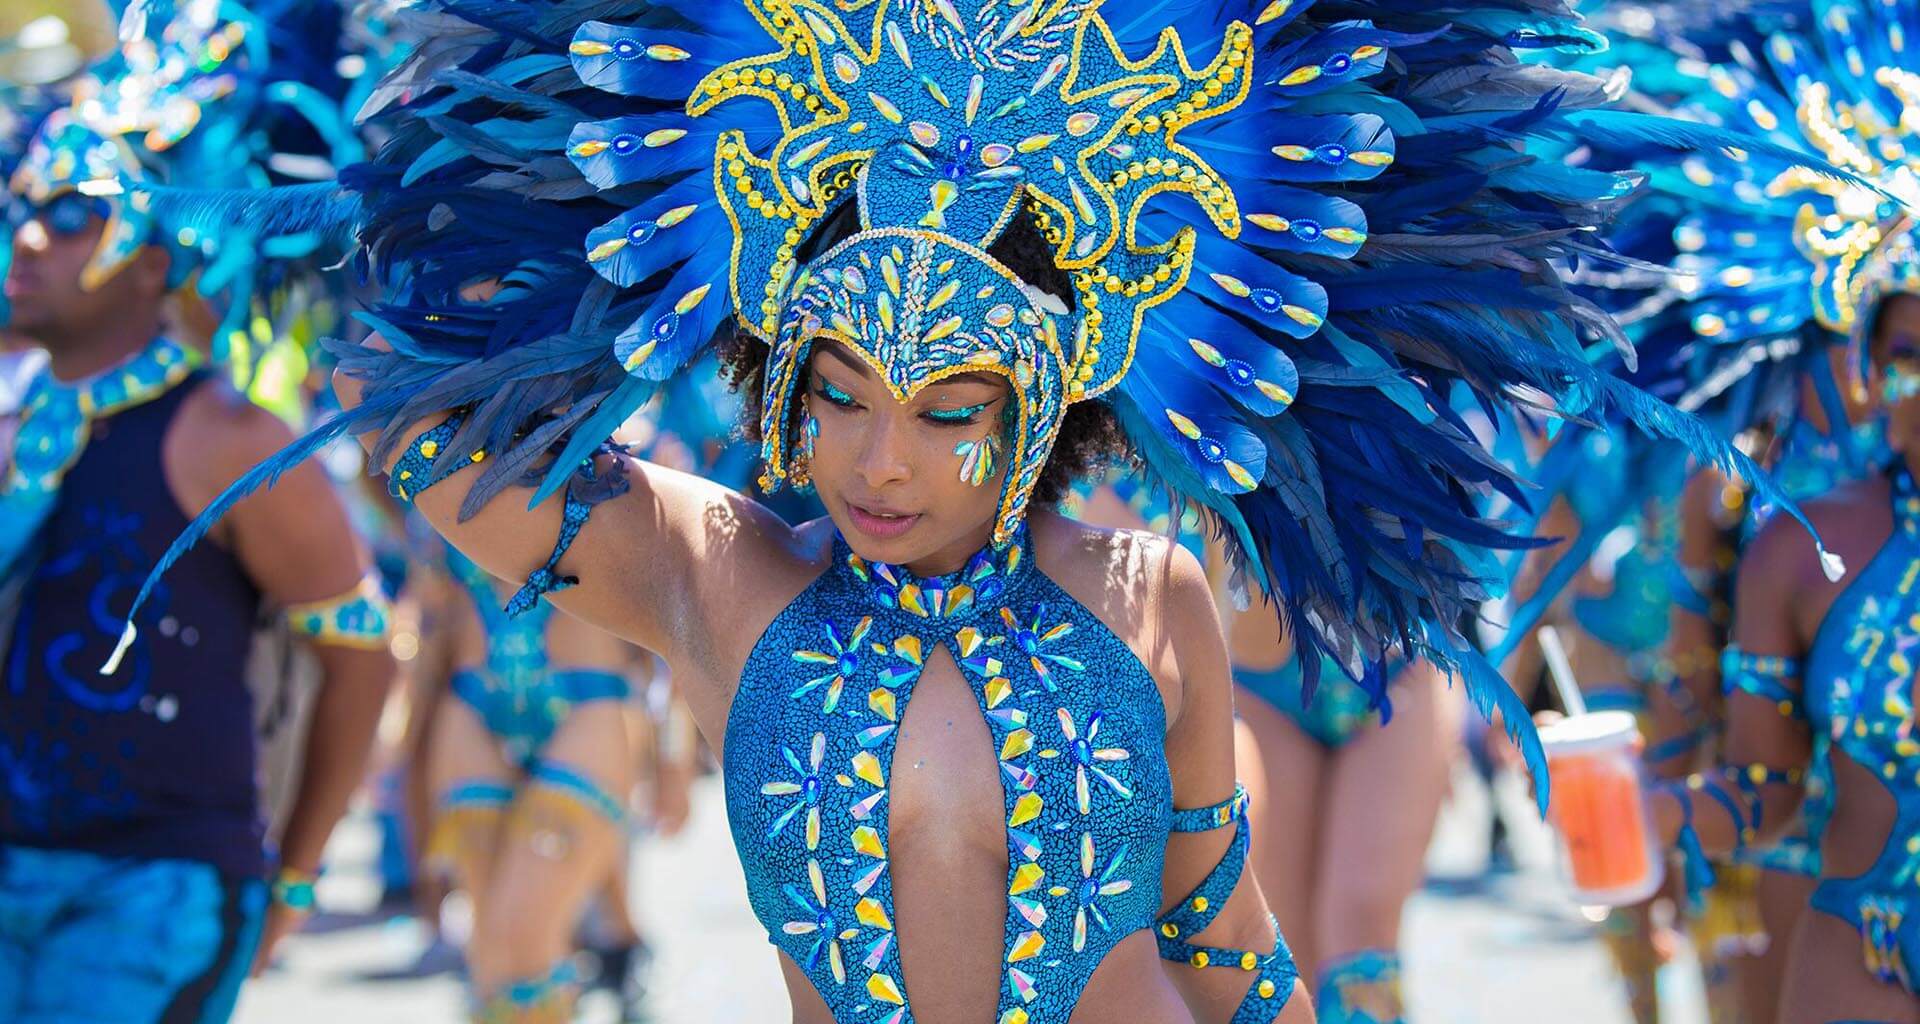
point(1859, 693)
point(1080, 732)
point(1632, 617)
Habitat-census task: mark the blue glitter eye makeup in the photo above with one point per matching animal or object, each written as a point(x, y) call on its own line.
point(1900, 382)
point(957, 416)
point(826, 389)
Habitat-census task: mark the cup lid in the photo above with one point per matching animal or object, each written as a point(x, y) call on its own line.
point(1596, 730)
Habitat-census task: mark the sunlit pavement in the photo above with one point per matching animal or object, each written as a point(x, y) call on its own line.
point(1505, 949)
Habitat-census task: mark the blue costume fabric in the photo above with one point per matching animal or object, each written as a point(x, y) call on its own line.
point(1336, 712)
point(1859, 698)
point(518, 694)
point(86, 939)
point(56, 422)
point(1363, 988)
point(1079, 727)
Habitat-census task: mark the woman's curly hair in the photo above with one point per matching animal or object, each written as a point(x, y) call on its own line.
point(1091, 439)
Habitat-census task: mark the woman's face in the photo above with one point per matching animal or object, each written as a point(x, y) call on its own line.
point(915, 484)
point(1896, 367)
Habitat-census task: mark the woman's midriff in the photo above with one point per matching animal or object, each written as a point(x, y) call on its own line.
point(1827, 980)
point(1863, 815)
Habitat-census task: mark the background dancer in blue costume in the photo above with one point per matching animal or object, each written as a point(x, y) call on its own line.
point(1821, 661)
point(538, 706)
point(1748, 917)
point(956, 287)
point(1838, 75)
point(1338, 881)
point(133, 869)
point(1752, 337)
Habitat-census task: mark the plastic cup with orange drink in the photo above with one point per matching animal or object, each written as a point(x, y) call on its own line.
point(1609, 853)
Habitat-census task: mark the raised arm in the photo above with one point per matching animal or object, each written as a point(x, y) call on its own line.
point(1214, 915)
point(635, 564)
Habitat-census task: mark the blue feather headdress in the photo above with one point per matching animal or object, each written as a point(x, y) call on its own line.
point(1296, 234)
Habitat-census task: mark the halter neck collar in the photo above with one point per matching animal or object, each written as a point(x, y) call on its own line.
point(987, 576)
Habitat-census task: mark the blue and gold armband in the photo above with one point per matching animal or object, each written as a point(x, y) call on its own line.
point(1271, 974)
point(1736, 789)
point(1764, 676)
point(294, 890)
point(360, 618)
point(420, 466)
point(1670, 682)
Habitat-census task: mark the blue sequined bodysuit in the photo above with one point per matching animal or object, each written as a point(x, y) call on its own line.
point(1859, 693)
point(1080, 731)
point(519, 696)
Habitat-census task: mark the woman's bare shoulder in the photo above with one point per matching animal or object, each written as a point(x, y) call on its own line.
point(1105, 568)
point(1853, 521)
point(1144, 586)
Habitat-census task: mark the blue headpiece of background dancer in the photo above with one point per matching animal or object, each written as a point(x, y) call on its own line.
point(1768, 257)
point(186, 100)
point(1774, 264)
point(1291, 240)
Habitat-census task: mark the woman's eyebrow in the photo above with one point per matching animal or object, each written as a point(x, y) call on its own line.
point(983, 379)
point(846, 359)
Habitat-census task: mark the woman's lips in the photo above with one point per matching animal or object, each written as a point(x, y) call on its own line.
point(881, 525)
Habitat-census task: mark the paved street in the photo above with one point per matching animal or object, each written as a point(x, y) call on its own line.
point(1509, 951)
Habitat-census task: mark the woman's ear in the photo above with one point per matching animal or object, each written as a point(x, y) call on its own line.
point(148, 271)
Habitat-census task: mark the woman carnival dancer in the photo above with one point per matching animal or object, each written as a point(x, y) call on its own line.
point(1777, 373)
point(1337, 882)
point(952, 288)
point(1820, 664)
point(1817, 671)
point(532, 770)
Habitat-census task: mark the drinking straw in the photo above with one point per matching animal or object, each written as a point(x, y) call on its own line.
point(1560, 671)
